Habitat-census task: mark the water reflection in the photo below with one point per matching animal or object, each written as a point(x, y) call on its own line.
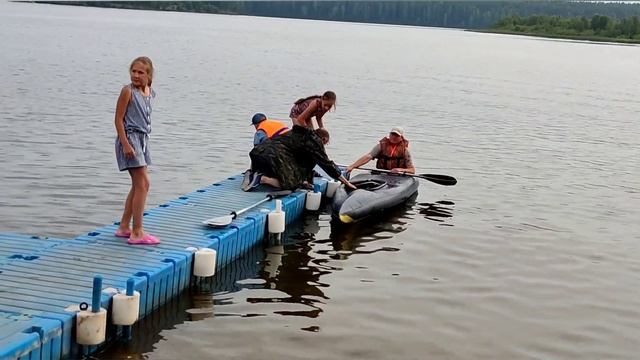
point(146, 332)
point(291, 267)
point(198, 303)
point(295, 263)
point(440, 211)
point(220, 289)
point(347, 240)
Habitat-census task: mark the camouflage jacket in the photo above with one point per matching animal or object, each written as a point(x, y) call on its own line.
point(291, 157)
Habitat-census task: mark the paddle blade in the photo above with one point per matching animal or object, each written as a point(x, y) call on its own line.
point(218, 222)
point(445, 180)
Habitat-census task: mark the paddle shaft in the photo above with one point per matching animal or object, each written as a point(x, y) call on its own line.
point(436, 178)
point(235, 214)
point(269, 197)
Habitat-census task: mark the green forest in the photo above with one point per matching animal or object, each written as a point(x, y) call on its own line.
point(455, 14)
point(596, 27)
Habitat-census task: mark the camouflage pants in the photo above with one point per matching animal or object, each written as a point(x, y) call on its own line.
point(287, 171)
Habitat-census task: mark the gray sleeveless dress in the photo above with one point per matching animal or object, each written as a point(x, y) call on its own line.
point(137, 126)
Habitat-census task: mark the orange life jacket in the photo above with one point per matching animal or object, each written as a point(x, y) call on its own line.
point(272, 127)
point(392, 155)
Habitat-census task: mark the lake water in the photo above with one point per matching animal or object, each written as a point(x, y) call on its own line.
point(534, 254)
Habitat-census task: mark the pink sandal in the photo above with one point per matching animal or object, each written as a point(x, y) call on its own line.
point(123, 234)
point(147, 239)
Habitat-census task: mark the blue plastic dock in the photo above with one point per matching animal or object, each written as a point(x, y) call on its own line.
point(43, 280)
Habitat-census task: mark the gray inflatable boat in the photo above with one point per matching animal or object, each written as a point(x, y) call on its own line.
point(375, 193)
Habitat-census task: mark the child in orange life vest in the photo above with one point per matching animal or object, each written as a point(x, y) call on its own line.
point(306, 108)
point(266, 128)
point(133, 126)
point(392, 153)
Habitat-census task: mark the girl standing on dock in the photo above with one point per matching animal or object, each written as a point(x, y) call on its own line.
point(305, 109)
point(133, 125)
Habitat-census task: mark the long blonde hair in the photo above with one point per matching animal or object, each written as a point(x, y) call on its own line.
point(148, 63)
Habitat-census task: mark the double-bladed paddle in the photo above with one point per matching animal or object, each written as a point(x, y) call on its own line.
point(223, 221)
point(445, 180)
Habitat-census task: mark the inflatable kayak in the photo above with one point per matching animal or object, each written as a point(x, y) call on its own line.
point(375, 193)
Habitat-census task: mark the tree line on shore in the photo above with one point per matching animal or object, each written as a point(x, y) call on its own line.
point(596, 26)
point(455, 14)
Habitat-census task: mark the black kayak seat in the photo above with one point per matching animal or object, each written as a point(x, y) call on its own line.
point(370, 184)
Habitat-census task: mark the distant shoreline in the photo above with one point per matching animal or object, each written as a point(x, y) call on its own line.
point(458, 14)
point(599, 39)
point(125, 5)
point(131, 5)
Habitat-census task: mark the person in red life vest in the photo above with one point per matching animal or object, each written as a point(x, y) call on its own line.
point(266, 128)
point(392, 153)
point(305, 109)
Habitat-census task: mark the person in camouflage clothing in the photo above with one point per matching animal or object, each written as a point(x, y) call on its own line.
point(287, 161)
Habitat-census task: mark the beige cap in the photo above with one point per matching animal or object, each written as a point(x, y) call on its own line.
point(397, 130)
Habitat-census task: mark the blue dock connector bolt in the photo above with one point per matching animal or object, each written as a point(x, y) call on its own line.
point(97, 292)
point(130, 284)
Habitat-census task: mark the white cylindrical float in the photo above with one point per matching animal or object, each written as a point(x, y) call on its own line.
point(276, 219)
point(314, 199)
point(91, 324)
point(204, 263)
point(332, 186)
point(126, 308)
point(91, 327)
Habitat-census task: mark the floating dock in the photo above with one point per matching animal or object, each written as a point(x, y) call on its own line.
point(43, 280)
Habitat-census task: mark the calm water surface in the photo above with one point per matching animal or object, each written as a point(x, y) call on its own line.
point(533, 255)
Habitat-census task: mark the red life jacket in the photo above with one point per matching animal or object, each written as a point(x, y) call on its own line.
point(392, 155)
